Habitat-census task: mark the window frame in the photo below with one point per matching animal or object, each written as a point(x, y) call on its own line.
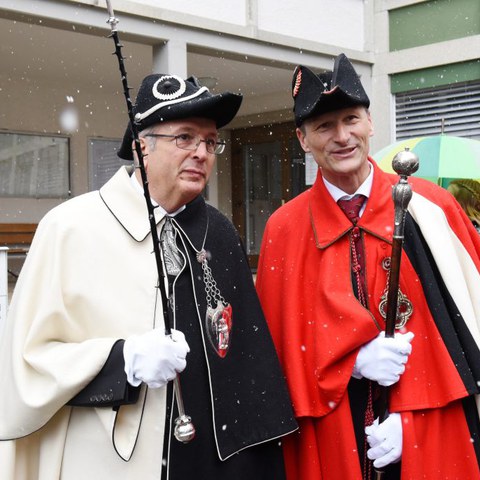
point(35, 191)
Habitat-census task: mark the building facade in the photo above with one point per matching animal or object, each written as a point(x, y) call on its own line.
point(63, 112)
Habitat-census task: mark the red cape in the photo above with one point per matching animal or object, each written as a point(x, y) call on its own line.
point(318, 325)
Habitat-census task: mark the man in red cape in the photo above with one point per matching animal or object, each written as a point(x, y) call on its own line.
point(321, 280)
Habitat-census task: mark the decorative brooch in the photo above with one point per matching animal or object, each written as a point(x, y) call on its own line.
point(404, 307)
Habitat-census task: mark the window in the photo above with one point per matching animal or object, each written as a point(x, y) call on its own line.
point(450, 109)
point(35, 166)
point(103, 161)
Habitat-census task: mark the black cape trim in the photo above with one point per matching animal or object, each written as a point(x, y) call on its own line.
point(247, 390)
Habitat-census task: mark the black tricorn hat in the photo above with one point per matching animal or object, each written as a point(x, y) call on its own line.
point(163, 97)
point(325, 92)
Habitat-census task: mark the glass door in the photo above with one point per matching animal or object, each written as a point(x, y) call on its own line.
point(267, 170)
point(263, 189)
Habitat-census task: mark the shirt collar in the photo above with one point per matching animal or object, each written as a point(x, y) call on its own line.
point(364, 189)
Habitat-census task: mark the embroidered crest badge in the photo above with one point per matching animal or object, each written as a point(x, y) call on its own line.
point(219, 325)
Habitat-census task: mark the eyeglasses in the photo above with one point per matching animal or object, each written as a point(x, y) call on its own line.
point(185, 141)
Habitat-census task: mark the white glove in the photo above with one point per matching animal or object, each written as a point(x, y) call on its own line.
point(383, 359)
point(154, 358)
point(385, 441)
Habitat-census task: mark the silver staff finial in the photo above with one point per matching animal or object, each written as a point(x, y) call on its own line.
point(405, 162)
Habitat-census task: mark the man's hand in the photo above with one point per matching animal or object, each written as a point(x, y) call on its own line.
point(154, 358)
point(385, 441)
point(383, 359)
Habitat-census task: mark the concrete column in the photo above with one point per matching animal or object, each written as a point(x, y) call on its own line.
point(170, 57)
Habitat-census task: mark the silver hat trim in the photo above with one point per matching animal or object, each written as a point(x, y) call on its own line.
point(140, 116)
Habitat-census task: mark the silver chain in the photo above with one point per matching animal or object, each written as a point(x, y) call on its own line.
point(211, 290)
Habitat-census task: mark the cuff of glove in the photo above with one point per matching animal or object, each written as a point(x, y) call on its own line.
point(128, 359)
point(131, 379)
point(356, 373)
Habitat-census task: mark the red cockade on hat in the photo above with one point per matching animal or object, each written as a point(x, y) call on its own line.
point(298, 82)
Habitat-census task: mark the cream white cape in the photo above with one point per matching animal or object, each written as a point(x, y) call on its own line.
point(88, 281)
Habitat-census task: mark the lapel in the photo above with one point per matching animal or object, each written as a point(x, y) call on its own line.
point(329, 223)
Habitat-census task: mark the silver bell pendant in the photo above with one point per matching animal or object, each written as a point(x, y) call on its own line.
point(184, 429)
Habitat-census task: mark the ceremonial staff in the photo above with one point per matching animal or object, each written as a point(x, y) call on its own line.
point(184, 430)
point(404, 163)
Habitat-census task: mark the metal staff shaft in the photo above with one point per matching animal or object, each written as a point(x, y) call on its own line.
point(404, 163)
point(184, 430)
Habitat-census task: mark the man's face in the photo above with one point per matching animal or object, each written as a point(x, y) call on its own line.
point(177, 176)
point(339, 143)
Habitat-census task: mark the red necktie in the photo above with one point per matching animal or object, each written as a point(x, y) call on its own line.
point(351, 208)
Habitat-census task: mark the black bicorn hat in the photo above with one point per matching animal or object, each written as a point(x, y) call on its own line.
point(163, 97)
point(316, 94)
